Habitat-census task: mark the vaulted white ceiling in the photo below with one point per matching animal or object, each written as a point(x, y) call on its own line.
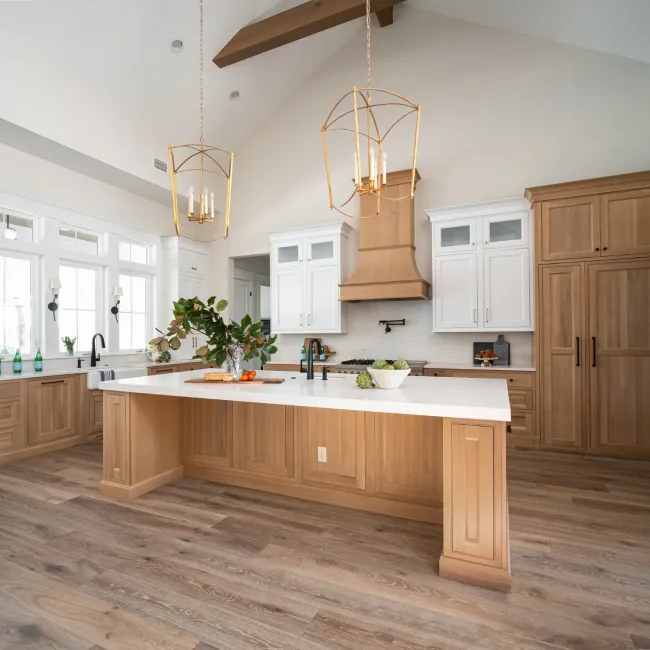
point(99, 77)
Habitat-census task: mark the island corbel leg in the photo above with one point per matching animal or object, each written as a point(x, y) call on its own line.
point(142, 443)
point(476, 545)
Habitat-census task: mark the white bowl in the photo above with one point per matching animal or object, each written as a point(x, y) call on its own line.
point(388, 379)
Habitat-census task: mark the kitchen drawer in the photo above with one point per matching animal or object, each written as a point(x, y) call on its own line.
point(521, 400)
point(9, 412)
point(514, 379)
point(9, 389)
point(521, 425)
point(435, 372)
point(287, 367)
point(162, 370)
point(12, 438)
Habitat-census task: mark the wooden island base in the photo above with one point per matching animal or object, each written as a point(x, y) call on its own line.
point(430, 469)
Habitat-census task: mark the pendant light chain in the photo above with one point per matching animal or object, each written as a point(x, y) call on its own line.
point(368, 48)
point(201, 71)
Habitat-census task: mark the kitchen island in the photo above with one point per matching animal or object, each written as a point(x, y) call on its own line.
point(433, 450)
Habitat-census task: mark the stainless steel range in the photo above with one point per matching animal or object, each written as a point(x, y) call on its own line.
point(355, 366)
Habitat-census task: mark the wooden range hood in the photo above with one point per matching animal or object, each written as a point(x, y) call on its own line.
point(386, 268)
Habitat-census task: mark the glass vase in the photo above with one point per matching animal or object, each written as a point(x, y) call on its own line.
point(234, 358)
point(69, 351)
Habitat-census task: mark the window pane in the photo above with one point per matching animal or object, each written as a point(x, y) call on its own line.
point(68, 292)
point(138, 295)
point(125, 331)
point(19, 282)
point(138, 333)
point(138, 254)
point(454, 236)
point(87, 329)
point(125, 283)
point(18, 329)
point(287, 254)
point(88, 244)
point(505, 230)
point(67, 239)
point(323, 250)
point(87, 281)
point(20, 228)
point(125, 251)
point(67, 326)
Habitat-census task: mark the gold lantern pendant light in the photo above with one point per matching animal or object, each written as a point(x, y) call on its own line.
point(373, 154)
point(205, 166)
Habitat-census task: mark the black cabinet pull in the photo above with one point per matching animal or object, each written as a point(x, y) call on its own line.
point(56, 381)
point(593, 351)
point(577, 351)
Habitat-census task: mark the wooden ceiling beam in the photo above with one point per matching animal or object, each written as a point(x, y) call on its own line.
point(299, 22)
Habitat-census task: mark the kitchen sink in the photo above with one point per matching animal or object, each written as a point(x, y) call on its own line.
point(95, 378)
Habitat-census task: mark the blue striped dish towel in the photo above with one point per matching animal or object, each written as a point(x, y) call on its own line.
point(107, 375)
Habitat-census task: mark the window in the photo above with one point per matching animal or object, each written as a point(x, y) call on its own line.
point(133, 253)
point(15, 305)
point(71, 239)
point(133, 313)
point(78, 306)
point(17, 228)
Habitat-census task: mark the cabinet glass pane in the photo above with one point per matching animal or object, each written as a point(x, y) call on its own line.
point(455, 236)
point(288, 254)
point(323, 250)
point(505, 230)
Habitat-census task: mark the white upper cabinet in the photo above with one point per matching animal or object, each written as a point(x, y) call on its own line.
point(482, 267)
point(307, 267)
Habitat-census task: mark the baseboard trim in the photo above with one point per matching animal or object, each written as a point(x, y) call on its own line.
point(37, 450)
point(480, 575)
point(368, 503)
point(130, 492)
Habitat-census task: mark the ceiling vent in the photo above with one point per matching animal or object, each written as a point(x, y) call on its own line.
point(160, 164)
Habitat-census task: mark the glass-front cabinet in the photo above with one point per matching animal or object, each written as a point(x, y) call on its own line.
point(455, 236)
point(503, 230)
point(306, 271)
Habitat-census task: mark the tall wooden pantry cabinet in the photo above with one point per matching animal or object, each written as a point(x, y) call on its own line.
point(592, 258)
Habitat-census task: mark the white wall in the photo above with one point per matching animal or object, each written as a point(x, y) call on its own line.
point(500, 112)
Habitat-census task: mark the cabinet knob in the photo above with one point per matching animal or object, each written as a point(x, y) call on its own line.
point(487, 241)
point(605, 248)
point(597, 249)
point(473, 243)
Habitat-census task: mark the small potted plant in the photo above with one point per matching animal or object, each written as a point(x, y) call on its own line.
point(69, 344)
point(225, 343)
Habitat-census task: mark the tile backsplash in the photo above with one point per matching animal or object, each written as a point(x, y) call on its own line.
point(366, 338)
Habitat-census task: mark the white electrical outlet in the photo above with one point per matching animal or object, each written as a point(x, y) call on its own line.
point(322, 454)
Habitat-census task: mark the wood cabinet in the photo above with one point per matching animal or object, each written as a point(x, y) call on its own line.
point(208, 432)
point(51, 409)
point(333, 447)
point(264, 438)
point(563, 355)
point(619, 369)
point(593, 294)
point(117, 438)
point(307, 267)
point(482, 267)
point(408, 458)
point(96, 413)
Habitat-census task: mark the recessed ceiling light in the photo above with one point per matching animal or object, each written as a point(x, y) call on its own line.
point(176, 46)
point(234, 95)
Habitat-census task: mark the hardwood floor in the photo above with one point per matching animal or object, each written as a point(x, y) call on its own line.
point(198, 566)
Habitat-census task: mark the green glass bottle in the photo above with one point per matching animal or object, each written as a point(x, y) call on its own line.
point(38, 361)
point(18, 363)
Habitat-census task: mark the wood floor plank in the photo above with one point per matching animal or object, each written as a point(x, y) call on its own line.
point(211, 567)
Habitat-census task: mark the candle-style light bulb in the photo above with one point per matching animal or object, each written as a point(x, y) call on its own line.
point(373, 167)
point(356, 169)
point(212, 205)
point(204, 211)
point(385, 166)
point(190, 202)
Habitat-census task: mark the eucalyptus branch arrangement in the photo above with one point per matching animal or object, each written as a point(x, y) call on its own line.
point(223, 340)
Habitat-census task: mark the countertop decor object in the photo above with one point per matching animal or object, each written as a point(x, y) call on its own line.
point(388, 379)
point(371, 123)
point(232, 343)
point(206, 165)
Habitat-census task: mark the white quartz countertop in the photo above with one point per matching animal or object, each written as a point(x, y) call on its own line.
point(8, 374)
point(476, 399)
point(469, 366)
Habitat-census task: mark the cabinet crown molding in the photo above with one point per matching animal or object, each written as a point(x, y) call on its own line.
point(502, 206)
point(337, 228)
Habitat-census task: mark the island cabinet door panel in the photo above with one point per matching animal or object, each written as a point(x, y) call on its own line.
point(619, 368)
point(263, 435)
point(208, 432)
point(625, 223)
point(95, 413)
point(116, 438)
point(51, 409)
point(471, 456)
point(333, 447)
point(408, 457)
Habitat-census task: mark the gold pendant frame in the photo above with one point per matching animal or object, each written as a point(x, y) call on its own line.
point(366, 185)
point(201, 159)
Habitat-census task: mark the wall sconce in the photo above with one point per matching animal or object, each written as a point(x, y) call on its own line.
point(115, 309)
point(55, 285)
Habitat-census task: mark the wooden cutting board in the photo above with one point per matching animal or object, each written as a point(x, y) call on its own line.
point(228, 383)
